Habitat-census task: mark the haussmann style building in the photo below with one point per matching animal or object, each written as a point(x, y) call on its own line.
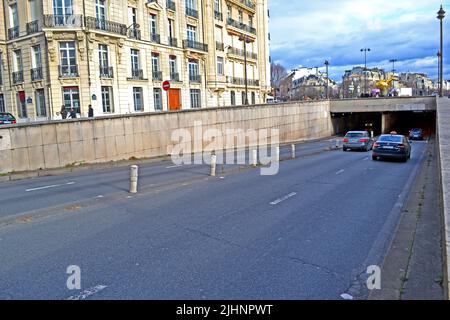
point(116, 54)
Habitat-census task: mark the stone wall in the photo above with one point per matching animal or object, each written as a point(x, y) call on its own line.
point(47, 145)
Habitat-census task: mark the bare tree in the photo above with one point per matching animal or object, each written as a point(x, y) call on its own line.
point(277, 72)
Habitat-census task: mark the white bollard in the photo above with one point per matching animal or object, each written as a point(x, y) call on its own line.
point(277, 154)
point(213, 165)
point(134, 179)
point(254, 158)
point(293, 151)
point(337, 144)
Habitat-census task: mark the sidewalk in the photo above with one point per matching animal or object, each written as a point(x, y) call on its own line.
point(413, 267)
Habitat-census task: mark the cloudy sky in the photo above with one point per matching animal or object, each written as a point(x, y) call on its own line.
point(306, 32)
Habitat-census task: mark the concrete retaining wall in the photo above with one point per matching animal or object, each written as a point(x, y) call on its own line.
point(384, 104)
point(443, 129)
point(56, 144)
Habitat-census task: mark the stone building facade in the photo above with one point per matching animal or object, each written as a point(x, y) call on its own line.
point(116, 54)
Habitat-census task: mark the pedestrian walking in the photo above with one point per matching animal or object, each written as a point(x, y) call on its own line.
point(91, 112)
point(73, 113)
point(63, 112)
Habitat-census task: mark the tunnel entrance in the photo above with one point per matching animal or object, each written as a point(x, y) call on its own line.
point(380, 123)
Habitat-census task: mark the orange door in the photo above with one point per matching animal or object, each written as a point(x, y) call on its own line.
point(174, 99)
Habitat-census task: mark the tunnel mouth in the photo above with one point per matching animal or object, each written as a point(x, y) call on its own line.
point(385, 122)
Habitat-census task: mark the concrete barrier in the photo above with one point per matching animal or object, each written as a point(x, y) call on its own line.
point(443, 129)
point(384, 104)
point(56, 144)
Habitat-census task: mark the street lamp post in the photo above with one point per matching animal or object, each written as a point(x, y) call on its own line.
point(439, 72)
point(365, 50)
point(245, 39)
point(327, 63)
point(393, 61)
point(441, 16)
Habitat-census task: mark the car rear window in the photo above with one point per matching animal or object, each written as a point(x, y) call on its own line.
point(391, 139)
point(6, 117)
point(355, 134)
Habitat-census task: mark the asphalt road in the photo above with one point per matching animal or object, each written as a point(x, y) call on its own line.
point(307, 233)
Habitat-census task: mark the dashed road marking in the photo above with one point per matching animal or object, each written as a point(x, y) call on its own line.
point(340, 171)
point(87, 293)
point(175, 166)
point(290, 195)
point(49, 187)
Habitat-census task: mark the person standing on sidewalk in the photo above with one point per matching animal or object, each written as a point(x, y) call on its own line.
point(72, 114)
point(63, 112)
point(91, 112)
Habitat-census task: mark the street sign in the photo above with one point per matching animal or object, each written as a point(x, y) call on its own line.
point(166, 85)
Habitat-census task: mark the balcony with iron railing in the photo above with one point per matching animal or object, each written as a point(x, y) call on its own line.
point(33, 27)
point(241, 26)
point(66, 71)
point(171, 5)
point(196, 78)
point(173, 42)
point(17, 77)
point(66, 21)
point(175, 76)
point(134, 34)
point(137, 74)
point(220, 46)
point(192, 12)
point(106, 72)
point(242, 53)
point(218, 15)
point(106, 25)
point(247, 4)
point(36, 74)
point(13, 33)
point(157, 75)
point(155, 38)
point(241, 81)
point(199, 46)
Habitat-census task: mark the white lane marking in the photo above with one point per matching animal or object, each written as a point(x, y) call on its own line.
point(87, 293)
point(346, 296)
point(51, 186)
point(365, 159)
point(98, 197)
point(340, 171)
point(175, 166)
point(290, 195)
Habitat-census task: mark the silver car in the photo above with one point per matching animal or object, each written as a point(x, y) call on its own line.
point(357, 140)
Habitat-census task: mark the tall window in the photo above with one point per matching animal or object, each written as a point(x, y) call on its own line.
point(100, 10)
point(233, 98)
point(21, 104)
point(63, 7)
point(243, 97)
point(18, 66)
point(155, 62)
point(132, 15)
point(41, 109)
point(135, 64)
point(71, 98)
point(217, 6)
point(190, 4)
point(191, 33)
point(68, 57)
point(2, 103)
point(34, 10)
point(171, 29)
point(153, 24)
point(36, 56)
point(13, 15)
point(241, 16)
point(229, 12)
point(250, 21)
point(253, 98)
point(173, 66)
point(103, 56)
point(220, 66)
point(193, 70)
point(195, 98)
point(157, 97)
point(107, 98)
point(137, 99)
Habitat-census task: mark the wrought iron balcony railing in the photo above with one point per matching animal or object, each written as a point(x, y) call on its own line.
point(17, 77)
point(106, 72)
point(137, 74)
point(171, 5)
point(33, 27)
point(134, 34)
point(173, 42)
point(241, 81)
point(157, 75)
point(156, 38)
point(190, 44)
point(175, 76)
point(241, 53)
point(241, 26)
point(191, 12)
point(13, 32)
point(195, 78)
point(66, 71)
point(106, 25)
point(36, 74)
point(57, 21)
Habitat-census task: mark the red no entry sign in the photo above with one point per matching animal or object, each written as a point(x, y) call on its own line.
point(166, 85)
